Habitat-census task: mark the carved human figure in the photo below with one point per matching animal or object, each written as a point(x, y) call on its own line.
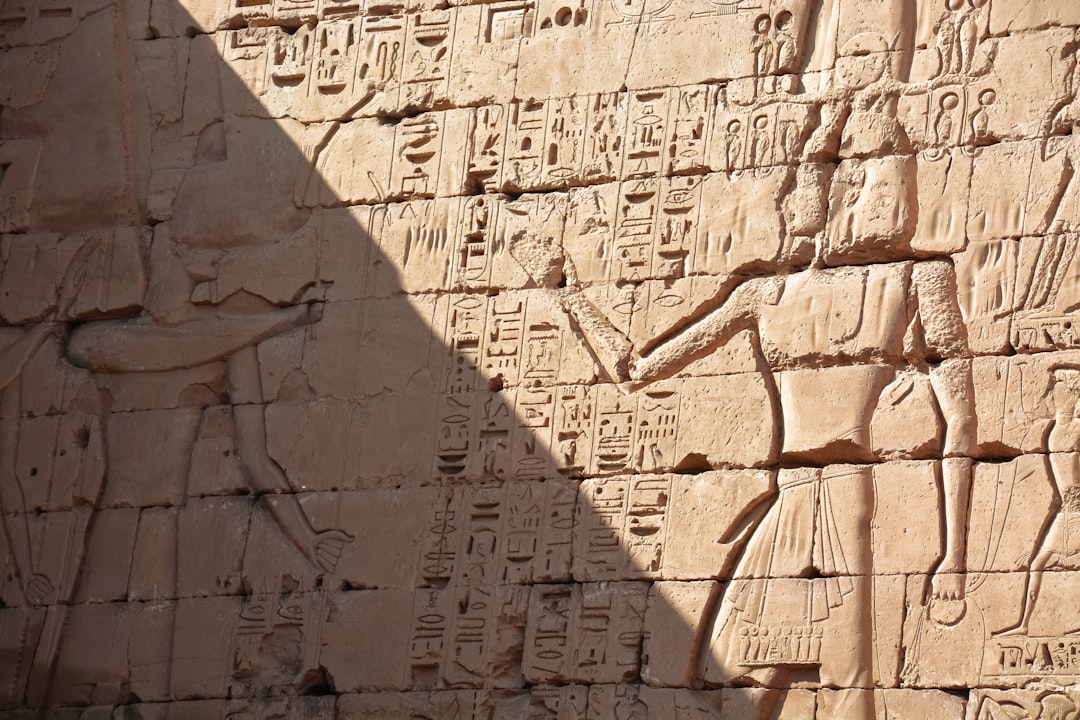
point(760, 144)
point(1065, 111)
point(943, 125)
point(980, 119)
point(732, 146)
point(1059, 541)
point(1040, 294)
point(839, 332)
point(763, 45)
point(787, 47)
point(828, 316)
point(179, 334)
point(959, 32)
point(1066, 218)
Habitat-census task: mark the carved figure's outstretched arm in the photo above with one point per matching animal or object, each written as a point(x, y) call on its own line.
point(609, 347)
point(12, 500)
point(696, 339)
point(702, 336)
point(143, 345)
point(543, 261)
point(13, 519)
point(322, 549)
point(174, 333)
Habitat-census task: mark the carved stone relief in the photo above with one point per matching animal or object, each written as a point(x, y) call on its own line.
point(531, 359)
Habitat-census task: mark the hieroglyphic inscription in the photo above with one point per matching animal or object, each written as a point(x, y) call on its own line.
point(584, 633)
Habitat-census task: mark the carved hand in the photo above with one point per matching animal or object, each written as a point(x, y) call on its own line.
point(325, 548)
point(315, 311)
point(36, 588)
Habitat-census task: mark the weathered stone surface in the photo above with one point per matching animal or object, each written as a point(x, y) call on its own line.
point(589, 632)
point(636, 527)
point(672, 622)
point(491, 360)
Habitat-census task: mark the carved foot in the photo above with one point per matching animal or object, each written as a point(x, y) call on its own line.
point(948, 586)
point(1021, 629)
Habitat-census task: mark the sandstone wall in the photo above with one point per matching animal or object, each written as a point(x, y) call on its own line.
point(540, 359)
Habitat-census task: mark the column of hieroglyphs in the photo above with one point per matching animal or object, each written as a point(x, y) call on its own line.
point(568, 359)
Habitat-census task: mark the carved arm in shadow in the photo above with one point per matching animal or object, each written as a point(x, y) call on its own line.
point(177, 335)
point(13, 359)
